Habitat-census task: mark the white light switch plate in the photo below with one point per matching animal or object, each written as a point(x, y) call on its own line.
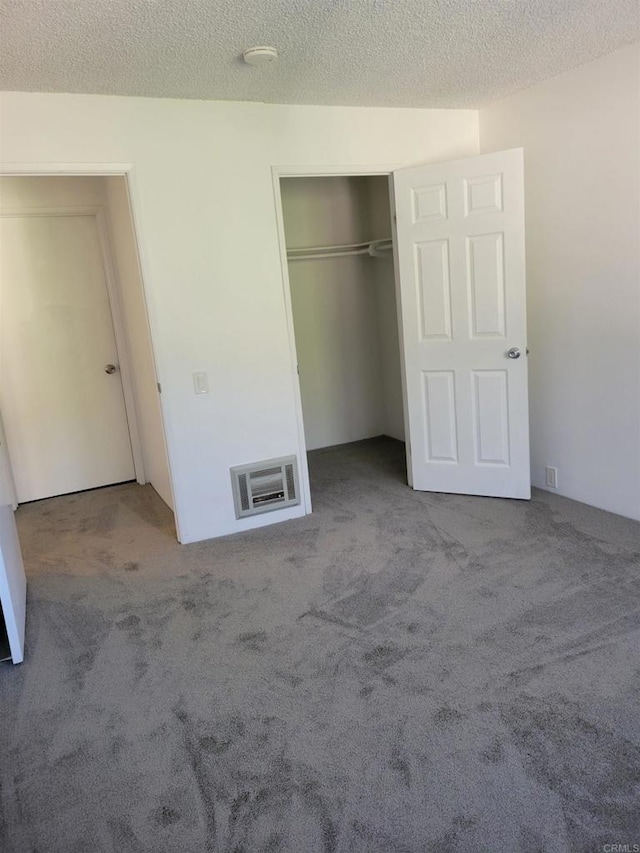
point(201, 382)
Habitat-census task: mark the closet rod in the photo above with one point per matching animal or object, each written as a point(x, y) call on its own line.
point(315, 257)
point(374, 248)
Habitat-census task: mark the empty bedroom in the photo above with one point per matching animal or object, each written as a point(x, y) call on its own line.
point(319, 426)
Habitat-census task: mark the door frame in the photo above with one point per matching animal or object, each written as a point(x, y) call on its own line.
point(128, 172)
point(355, 171)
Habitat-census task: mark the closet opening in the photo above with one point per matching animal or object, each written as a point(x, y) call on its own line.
point(341, 280)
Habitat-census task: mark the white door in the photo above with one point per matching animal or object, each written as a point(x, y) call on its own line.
point(13, 586)
point(461, 275)
point(64, 414)
point(13, 583)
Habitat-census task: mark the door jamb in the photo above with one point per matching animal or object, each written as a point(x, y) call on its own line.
point(122, 347)
point(278, 172)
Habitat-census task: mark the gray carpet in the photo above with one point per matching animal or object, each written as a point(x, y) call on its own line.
point(397, 672)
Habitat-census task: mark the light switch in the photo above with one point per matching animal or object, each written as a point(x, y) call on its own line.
point(201, 382)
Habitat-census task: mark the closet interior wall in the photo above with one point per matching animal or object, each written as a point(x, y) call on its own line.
point(344, 310)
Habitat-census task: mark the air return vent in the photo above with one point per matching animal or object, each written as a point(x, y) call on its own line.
point(265, 486)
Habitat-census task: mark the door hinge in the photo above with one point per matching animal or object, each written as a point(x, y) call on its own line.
point(159, 387)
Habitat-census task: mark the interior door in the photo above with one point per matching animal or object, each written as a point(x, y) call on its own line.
point(461, 278)
point(60, 388)
point(13, 583)
point(13, 588)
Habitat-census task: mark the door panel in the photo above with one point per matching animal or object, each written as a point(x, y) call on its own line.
point(64, 416)
point(461, 273)
point(13, 584)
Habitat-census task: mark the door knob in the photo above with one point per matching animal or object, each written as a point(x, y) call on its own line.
point(514, 352)
point(110, 368)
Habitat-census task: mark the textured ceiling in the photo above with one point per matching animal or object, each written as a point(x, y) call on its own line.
point(413, 53)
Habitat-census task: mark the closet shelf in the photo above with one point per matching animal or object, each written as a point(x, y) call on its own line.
point(373, 248)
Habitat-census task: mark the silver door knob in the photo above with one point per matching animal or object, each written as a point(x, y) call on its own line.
point(110, 368)
point(514, 352)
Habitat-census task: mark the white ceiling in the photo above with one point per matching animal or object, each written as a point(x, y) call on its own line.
point(410, 53)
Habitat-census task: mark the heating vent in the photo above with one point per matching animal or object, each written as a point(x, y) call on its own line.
point(265, 486)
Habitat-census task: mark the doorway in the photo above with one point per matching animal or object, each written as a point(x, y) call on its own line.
point(343, 305)
point(458, 238)
point(78, 390)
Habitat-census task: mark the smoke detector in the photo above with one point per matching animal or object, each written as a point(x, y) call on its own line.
point(261, 55)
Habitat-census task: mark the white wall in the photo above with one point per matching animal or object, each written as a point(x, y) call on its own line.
point(389, 341)
point(344, 310)
point(54, 192)
point(7, 485)
point(581, 135)
point(334, 310)
point(203, 202)
point(149, 414)
point(110, 194)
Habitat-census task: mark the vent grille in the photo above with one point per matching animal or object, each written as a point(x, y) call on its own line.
point(244, 492)
point(291, 481)
point(265, 486)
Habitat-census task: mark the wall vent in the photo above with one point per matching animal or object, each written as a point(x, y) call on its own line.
point(265, 486)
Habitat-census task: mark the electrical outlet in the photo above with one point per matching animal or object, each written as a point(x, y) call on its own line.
point(551, 475)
